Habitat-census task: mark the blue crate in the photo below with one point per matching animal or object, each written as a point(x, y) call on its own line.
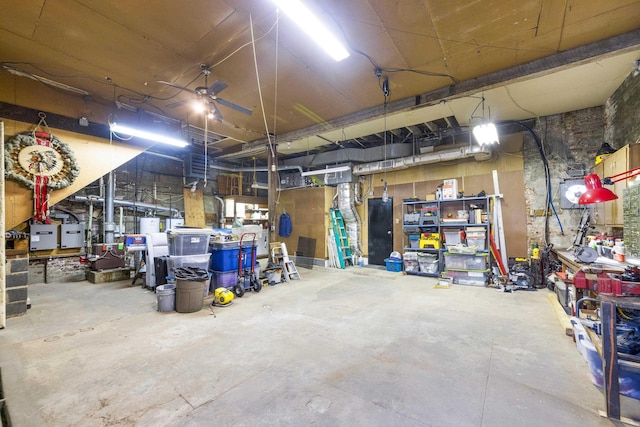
point(225, 259)
point(394, 265)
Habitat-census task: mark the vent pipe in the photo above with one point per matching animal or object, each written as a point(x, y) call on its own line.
point(350, 215)
point(461, 152)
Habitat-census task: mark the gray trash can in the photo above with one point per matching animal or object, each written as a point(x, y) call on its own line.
point(166, 297)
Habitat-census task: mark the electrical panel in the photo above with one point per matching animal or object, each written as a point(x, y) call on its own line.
point(71, 235)
point(43, 237)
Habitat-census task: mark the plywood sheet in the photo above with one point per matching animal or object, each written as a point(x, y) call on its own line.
point(194, 215)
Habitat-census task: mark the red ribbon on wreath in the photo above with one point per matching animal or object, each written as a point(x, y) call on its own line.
point(41, 185)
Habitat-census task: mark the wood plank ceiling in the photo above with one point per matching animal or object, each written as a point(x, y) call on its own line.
point(119, 51)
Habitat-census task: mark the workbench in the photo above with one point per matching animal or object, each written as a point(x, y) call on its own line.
point(601, 276)
point(611, 360)
point(604, 264)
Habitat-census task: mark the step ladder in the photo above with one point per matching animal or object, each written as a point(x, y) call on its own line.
point(280, 256)
point(342, 240)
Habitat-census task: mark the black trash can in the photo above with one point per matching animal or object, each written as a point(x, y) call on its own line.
point(190, 284)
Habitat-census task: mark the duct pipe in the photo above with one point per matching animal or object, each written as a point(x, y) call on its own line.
point(351, 218)
point(138, 205)
point(357, 197)
point(260, 169)
point(109, 214)
point(461, 152)
point(221, 214)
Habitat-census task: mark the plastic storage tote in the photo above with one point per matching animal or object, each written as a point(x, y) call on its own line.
point(411, 262)
point(187, 242)
point(195, 261)
point(225, 259)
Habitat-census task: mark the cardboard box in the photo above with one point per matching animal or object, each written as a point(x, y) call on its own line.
point(430, 197)
point(450, 189)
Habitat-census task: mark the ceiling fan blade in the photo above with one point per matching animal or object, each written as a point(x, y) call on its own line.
point(179, 103)
point(217, 115)
point(177, 86)
point(232, 105)
point(217, 87)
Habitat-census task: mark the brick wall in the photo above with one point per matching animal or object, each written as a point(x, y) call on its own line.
point(569, 140)
point(64, 270)
point(622, 114)
point(17, 268)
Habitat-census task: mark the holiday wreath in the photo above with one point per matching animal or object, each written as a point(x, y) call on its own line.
point(40, 161)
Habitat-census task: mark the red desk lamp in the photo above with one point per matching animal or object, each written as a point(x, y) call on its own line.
point(596, 193)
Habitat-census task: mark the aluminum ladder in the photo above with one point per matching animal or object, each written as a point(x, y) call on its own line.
point(280, 256)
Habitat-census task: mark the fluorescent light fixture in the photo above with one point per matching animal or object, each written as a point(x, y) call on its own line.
point(343, 168)
point(311, 25)
point(116, 128)
point(486, 133)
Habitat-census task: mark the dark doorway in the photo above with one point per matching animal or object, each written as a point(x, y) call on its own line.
point(380, 230)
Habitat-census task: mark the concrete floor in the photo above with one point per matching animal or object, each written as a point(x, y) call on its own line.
point(361, 347)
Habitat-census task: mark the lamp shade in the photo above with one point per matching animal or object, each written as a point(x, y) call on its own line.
point(595, 193)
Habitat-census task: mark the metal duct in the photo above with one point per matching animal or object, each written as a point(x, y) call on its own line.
point(137, 205)
point(257, 169)
point(461, 152)
point(351, 218)
point(221, 214)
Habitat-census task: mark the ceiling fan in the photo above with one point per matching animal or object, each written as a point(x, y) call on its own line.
point(209, 94)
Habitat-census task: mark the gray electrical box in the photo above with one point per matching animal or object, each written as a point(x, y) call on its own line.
point(72, 235)
point(43, 237)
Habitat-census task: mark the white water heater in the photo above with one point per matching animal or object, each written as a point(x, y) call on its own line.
point(149, 224)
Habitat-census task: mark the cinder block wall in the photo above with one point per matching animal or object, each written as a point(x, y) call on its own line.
point(16, 280)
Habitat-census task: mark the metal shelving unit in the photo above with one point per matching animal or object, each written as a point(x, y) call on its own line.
point(426, 225)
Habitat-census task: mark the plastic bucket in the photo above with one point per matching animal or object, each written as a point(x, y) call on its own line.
point(166, 297)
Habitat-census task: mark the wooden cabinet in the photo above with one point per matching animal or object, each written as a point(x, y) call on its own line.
point(627, 157)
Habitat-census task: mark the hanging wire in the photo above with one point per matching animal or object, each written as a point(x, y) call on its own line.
point(255, 61)
point(275, 94)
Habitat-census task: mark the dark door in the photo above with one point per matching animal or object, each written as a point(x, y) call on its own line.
point(380, 230)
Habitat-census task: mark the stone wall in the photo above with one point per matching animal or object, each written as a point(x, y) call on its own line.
point(17, 268)
point(622, 114)
point(570, 141)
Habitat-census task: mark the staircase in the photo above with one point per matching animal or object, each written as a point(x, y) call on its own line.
point(342, 240)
